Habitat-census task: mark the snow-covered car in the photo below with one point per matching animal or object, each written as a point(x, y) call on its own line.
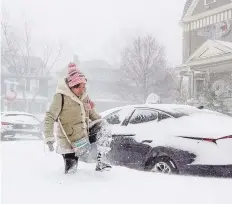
point(170, 138)
point(19, 125)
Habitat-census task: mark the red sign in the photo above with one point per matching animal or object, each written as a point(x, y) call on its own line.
point(10, 95)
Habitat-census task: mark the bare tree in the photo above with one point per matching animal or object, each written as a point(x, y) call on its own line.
point(143, 66)
point(17, 55)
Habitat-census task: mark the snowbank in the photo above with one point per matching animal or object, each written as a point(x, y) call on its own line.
point(32, 176)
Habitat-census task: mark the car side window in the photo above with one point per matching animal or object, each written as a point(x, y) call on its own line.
point(114, 118)
point(163, 116)
point(143, 116)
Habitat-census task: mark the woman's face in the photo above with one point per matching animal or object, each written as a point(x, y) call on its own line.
point(80, 90)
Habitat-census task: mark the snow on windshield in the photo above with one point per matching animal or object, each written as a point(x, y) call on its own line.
point(120, 112)
point(125, 113)
point(118, 116)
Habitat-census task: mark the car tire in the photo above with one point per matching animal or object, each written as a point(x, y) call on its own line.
point(162, 164)
point(2, 136)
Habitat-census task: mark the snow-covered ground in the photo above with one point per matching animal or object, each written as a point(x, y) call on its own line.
point(32, 175)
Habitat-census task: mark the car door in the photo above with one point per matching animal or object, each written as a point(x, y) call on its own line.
point(119, 135)
point(136, 147)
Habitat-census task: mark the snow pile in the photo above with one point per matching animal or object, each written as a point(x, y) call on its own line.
point(199, 125)
point(31, 176)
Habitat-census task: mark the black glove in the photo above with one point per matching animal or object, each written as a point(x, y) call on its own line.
point(50, 146)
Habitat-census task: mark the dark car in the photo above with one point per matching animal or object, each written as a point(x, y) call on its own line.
point(20, 125)
point(154, 138)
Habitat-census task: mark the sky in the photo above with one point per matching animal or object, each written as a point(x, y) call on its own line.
point(98, 29)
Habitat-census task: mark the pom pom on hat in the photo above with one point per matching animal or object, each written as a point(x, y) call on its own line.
point(74, 75)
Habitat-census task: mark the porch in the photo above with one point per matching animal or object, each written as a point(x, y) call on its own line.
point(209, 67)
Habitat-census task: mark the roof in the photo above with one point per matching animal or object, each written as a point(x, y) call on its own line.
point(225, 43)
point(94, 69)
point(186, 6)
point(211, 51)
point(25, 62)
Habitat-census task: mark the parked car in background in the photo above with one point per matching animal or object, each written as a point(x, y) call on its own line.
point(170, 138)
point(20, 125)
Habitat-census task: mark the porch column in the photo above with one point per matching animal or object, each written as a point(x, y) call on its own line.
point(191, 84)
point(181, 84)
point(193, 92)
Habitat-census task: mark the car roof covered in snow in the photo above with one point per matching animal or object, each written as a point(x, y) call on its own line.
point(171, 108)
point(164, 107)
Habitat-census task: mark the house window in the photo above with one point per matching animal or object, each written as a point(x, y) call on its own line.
point(34, 85)
point(208, 2)
point(33, 71)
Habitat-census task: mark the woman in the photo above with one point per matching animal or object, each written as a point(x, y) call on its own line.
point(72, 106)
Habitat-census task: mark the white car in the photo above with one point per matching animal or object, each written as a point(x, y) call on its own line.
point(170, 138)
point(19, 125)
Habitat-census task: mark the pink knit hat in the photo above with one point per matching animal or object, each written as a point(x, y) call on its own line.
point(75, 76)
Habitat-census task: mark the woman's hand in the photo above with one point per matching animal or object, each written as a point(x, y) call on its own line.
point(91, 103)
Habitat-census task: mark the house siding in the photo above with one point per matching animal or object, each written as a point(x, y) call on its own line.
point(200, 8)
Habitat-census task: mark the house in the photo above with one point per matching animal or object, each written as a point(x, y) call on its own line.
point(207, 49)
point(24, 84)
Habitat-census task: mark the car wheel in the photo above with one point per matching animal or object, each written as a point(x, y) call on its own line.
point(2, 136)
point(163, 165)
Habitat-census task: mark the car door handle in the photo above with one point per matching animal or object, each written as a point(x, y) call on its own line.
point(147, 141)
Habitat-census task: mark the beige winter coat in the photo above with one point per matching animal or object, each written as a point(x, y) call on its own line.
point(73, 116)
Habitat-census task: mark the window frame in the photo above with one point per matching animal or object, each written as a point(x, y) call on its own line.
point(126, 120)
point(211, 2)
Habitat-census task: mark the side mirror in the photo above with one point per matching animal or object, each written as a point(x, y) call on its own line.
point(121, 131)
